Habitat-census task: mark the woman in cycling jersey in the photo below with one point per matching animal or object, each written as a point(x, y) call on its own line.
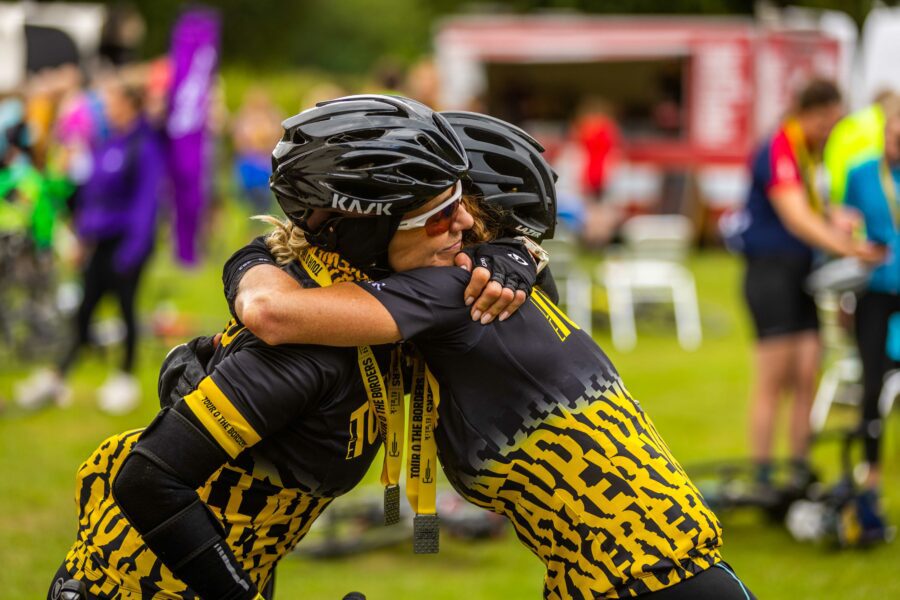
point(528, 415)
point(254, 443)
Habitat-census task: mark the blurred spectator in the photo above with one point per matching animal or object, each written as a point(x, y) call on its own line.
point(667, 111)
point(585, 166)
point(80, 124)
point(31, 200)
point(597, 133)
point(14, 161)
point(122, 34)
point(571, 206)
point(256, 129)
point(786, 221)
point(387, 77)
point(159, 82)
point(30, 203)
point(423, 84)
point(320, 93)
point(856, 138)
point(43, 92)
point(115, 221)
point(872, 188)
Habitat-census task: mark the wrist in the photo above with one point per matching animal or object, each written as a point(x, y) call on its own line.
point(844, 246)
point(540, 256)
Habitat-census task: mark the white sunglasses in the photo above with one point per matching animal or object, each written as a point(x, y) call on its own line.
point(422, 220)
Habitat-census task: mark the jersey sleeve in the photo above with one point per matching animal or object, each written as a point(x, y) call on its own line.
point(853, 191)
point(254, 253)
point(865, 193)
point(425, 303)
point(255, 392)
point(782, 164)
point(546, 282)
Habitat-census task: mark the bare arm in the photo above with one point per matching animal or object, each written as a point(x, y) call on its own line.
point(279, 311)
point(795, 212)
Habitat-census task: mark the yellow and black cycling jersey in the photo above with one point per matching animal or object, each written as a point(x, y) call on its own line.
point(294, 428)
point(534, 423)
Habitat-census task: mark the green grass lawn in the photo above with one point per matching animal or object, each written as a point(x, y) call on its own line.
point(697, 399)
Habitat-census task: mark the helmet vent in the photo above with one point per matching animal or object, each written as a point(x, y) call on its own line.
point(482, 135)
point(366, 162)
point(426, 142)
point(361, 135)
point(445, 129)
point(515, 173)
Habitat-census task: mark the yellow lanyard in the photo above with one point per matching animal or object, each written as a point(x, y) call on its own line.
point(421, 468)
point(385, 401)
point(890, 190)
point(805, 163)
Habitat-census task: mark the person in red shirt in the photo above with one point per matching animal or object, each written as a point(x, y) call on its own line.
point(598, 135)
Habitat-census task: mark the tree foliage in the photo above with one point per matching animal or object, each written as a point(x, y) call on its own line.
point(352, 36)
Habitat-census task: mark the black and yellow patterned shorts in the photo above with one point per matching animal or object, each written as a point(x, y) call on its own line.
point(262, 520)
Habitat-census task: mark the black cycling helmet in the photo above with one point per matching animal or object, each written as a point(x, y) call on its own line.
point(509, 172)
point(367, 155)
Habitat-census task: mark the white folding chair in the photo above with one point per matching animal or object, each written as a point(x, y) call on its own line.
point(890, 390)
point(572, 280)
point(649, 270)
point(841, 378)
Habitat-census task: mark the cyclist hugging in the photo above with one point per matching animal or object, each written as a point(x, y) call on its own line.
point(526, 414)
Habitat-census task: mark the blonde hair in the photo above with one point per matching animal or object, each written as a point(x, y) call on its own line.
point(286, 241)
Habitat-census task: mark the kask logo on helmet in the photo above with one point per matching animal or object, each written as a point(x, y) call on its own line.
point(343, 203)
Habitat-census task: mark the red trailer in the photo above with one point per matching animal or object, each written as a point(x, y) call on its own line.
point(690, 95)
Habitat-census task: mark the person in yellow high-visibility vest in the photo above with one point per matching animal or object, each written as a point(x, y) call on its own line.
point(856, 138)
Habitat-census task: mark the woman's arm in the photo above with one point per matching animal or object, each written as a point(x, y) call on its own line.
point(155, 489)
point(223, 415)
point(272, 305)
point(141, 228)
point(798, 217)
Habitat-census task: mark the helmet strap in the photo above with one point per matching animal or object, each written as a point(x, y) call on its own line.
point(362, 242)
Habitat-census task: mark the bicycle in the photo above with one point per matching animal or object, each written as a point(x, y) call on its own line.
point(354, 526)
point(31, 322)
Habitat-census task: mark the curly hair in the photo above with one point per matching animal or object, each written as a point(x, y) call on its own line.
point(486, 226)
point(286, 241)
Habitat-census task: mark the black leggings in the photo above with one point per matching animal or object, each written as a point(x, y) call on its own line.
point(100, 277)
point(715, 583)
point(873, 309)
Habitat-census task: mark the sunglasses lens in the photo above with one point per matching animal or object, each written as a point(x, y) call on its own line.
point(440, 221)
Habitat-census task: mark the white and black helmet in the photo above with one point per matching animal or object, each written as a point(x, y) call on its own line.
point(508, 171)
point(366, 155)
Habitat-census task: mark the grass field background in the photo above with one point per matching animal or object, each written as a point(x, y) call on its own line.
point(697, 399)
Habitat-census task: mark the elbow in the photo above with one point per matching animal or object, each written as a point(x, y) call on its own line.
point(259, 316)
point(800, 227)
point(131, 487)
point(797, 230)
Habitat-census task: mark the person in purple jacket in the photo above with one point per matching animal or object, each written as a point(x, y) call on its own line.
point(114, 220)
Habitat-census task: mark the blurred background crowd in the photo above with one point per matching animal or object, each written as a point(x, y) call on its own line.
point(135, 142)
